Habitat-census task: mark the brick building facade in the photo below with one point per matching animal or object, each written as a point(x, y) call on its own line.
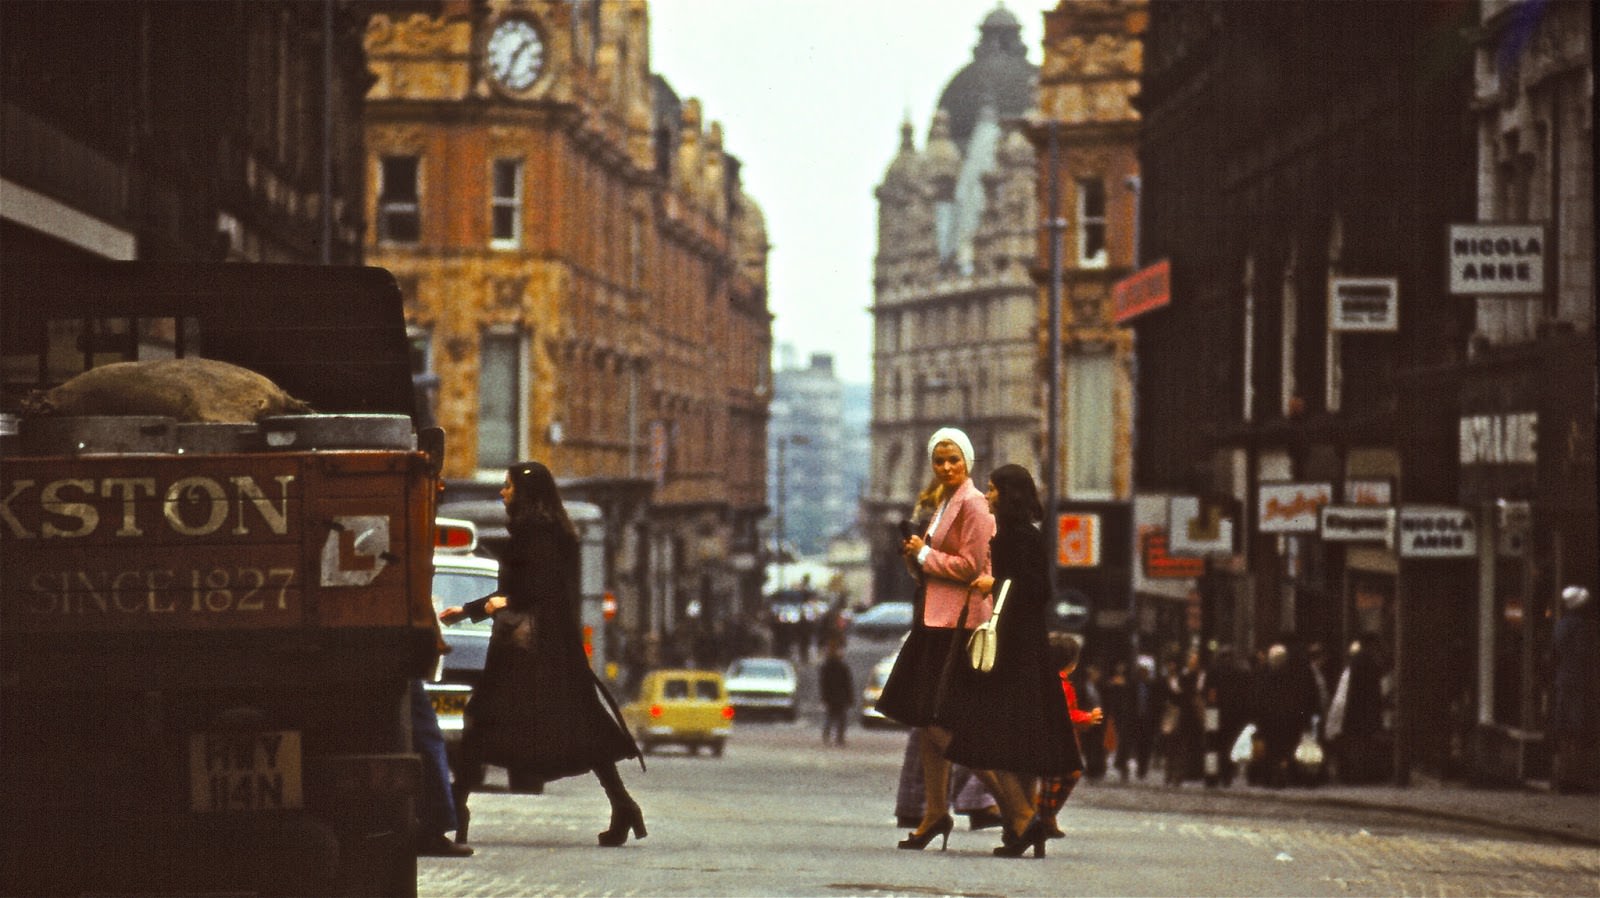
point(585, 279)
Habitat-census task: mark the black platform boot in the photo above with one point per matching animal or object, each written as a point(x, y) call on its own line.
point(625, 813)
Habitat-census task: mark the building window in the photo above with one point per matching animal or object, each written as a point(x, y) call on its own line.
point(424, 381)
point(399, 219)
point(500, 392)
point(506, 206)
point(1091, 420)
point(1091, 223)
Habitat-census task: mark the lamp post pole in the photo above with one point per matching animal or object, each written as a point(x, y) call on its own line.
point(1052, 451)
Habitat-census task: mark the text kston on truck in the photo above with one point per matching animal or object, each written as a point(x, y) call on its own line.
point(220, 500)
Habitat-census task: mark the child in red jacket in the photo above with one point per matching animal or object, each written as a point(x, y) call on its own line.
point(1053, 790)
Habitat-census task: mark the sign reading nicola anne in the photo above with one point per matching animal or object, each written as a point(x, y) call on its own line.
point(1437, 531)
point(1498, 259)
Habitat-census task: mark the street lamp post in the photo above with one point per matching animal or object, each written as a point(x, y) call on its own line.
point(1055, 225)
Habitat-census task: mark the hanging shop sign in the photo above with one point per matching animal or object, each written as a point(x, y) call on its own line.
point(1363, 305)
point(1197, 528)
point(1357, 524)
point(1291, 507)
point(1143, 291)
point(1374, 491)
point(1079, 542)
point(1500, 439)
point(1437, 531)
point(1498, 259)
point(1159, 564)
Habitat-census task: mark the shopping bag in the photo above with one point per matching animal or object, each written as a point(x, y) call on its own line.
point(1244, 745)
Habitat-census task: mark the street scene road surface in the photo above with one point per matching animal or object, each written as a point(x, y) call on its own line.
point(781, 814)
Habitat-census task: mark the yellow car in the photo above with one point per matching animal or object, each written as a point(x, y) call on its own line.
point(682, 707)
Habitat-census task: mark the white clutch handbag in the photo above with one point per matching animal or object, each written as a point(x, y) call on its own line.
point(982, 643)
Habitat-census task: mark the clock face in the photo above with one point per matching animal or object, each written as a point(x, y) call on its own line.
point(515, 54)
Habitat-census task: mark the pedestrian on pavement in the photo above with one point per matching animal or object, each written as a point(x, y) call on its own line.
point(1228, 690)
point(1023, 730)
point(1183, 721)
point(1142, 719)
point(436, 805)
point(538, 707)
point(1574, 723)
point(967, 795)
point(1355, 716)
point(1115, 695)
point(1282, 714)
point(838, 693)
point(1055, 790)
point(930, 687)
point(1091, 741)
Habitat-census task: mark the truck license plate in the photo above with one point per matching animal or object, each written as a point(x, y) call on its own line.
point(252, 771)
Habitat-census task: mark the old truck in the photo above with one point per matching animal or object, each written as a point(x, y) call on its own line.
point(208, 629)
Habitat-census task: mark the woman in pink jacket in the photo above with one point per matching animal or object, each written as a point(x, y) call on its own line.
point(925, 689)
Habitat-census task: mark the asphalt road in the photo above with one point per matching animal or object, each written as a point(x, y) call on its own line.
point(783, 815)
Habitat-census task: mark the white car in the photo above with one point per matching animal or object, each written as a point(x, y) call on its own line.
point(459, 577)
point(758, 686)
point(870, 715)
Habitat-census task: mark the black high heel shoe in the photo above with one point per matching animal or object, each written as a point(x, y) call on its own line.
point(1033, 835)
point(914, 842)
point(622, 820)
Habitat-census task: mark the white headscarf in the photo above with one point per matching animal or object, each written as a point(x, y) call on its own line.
point(952, 435)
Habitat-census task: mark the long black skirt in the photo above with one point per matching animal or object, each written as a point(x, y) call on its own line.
point(932, 684)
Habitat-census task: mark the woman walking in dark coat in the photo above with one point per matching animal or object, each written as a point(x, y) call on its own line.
point(1024, 730)
point(538, 707)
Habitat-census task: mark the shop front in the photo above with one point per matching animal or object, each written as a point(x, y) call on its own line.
point(1526, 429)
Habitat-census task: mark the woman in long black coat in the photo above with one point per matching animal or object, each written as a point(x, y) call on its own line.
point(538, 708)
point(1025, 730)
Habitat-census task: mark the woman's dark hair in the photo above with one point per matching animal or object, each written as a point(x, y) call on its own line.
point(1019, 498)
point(534, 498)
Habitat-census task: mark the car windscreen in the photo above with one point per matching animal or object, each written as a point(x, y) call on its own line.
point(766, 670)
point(706, 690)
point(459, 588)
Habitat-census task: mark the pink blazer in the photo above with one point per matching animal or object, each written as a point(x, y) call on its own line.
point(959, 553)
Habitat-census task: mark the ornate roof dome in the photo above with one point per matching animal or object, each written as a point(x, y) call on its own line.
point(999, 74)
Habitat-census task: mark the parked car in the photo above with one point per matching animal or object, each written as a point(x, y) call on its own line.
point(870, 715)
point(681, 707)
point(886, 620)
point(764, 685)
point(459, 576)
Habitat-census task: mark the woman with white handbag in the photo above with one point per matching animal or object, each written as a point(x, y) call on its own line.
point(1026, 731)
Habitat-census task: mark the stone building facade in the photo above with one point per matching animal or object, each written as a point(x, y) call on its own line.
point(1302, 164)
point(1085, 133)
point(585, 279)
point(181, 131)
point(1521, 435)
point(954, 304)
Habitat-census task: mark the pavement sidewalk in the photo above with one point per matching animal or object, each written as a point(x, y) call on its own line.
point(1532, 810)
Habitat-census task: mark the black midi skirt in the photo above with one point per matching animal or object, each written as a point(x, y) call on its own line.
point(932, 684)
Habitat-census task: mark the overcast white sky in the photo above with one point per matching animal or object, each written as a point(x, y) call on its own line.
point(810, 94)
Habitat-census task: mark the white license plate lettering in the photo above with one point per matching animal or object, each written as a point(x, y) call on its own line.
point(245, 772)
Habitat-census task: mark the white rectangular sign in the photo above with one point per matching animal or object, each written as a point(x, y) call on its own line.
point(1291, 507)
point(1497, 259)
point(1357, 523)
point(1196, 530)
point(1363, 305)
point(1437, 531)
